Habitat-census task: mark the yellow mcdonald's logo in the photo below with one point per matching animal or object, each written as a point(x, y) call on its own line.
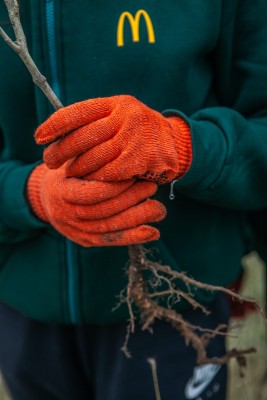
point(134, 24)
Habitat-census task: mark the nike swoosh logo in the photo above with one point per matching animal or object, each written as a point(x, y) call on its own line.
point(202, 376)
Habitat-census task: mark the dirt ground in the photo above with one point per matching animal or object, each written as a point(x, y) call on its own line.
point(251, 332)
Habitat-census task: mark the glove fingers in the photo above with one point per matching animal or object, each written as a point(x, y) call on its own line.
point(116, 169)
point(79, 141)
point(84, 192)
point(137, 193)
point(143, 213)
point(140, 234)
point(94, 159)
point(72, 117)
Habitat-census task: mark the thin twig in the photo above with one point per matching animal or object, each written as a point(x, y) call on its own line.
point(153, 365)
point(21, 48)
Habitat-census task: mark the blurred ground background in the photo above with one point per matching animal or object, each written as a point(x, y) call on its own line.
point(251, 332)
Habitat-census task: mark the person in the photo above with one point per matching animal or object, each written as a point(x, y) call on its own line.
point(162, 142)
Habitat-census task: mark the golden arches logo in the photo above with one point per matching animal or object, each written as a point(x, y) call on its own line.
point(134, 22)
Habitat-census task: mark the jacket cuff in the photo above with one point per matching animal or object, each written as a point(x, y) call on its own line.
point(209, 147)
point(33, 191)
point(184, 144)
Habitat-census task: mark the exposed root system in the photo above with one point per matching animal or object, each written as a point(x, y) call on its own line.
point(148, 303)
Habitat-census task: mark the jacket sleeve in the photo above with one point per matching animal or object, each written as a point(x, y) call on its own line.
point(229, 167)
point(17, 222)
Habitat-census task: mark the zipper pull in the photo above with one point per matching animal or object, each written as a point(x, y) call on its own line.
point(172, 195)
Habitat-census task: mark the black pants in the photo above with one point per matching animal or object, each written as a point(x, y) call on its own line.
point(57, 362)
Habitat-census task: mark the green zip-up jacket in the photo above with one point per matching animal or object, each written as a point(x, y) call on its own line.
point(205, 60)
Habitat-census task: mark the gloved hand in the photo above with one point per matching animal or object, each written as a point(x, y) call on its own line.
point(116, 138)
point(94, 213)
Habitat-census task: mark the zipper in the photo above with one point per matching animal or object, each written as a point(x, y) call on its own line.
point(51, 38)
point(71, 267)
point(71, 249)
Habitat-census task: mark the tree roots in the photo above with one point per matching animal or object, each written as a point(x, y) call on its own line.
point(148, 304)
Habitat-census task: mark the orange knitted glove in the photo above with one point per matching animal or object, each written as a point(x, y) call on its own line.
point(116, 138)
point(94, 213)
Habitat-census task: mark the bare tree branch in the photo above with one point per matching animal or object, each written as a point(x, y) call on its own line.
point(21, 48)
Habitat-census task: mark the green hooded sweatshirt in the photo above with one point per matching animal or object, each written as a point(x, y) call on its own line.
point(204, 60)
